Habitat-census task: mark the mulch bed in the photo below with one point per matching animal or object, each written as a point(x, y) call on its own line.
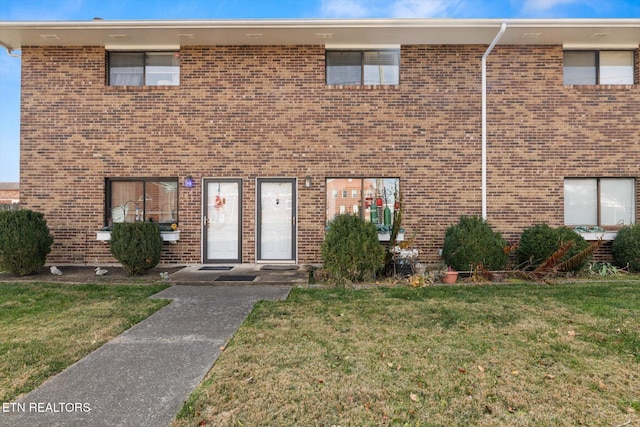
point(80, 274)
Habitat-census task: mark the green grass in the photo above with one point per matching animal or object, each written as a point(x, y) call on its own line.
point(523, 354)
point(47, 327)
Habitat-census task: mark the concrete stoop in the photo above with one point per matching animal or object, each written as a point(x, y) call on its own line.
point(241, 274)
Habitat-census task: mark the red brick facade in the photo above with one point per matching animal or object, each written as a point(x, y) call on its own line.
point(265, 111)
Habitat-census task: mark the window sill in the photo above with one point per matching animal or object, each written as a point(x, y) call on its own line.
point(590, 88)
point(140, 88)
point(364, 87)
point(167, 236)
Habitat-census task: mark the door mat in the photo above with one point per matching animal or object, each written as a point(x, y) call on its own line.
point(215, 268)
point(280, 267)
point(232, 278)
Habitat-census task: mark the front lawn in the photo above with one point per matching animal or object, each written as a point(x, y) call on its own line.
point(524, 354)
point(47, 327)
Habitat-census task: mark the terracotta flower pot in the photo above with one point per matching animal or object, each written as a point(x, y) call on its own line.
point(450, 277)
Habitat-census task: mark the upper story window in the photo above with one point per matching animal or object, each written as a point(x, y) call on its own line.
point(599, 201)
point(598, 67)
point(144, 68)
point(141, 199)
point(363, 67)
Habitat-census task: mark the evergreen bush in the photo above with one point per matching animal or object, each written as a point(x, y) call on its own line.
point(25, 241)
point(626, 248)
point(540, 241)
point(137, 245)
point(471, 243)
point(537, 243)
point(351, 251)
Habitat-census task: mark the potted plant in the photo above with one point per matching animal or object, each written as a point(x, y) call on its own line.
point(450, 276)
point(404, 260)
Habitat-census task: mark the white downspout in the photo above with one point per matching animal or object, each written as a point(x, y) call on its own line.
point(484, 118)
point(10, 51)
point(13, 55)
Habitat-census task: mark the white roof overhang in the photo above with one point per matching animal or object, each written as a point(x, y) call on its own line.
point(335, 32)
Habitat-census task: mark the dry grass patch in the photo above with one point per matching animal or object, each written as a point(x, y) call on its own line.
point(46, 328)
point(491, 355)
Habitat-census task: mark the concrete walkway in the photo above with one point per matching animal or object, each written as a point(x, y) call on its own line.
point(143, 376)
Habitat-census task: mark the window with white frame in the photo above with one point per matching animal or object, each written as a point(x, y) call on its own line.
point(141, 199)
point(599, 67)
point(363, 67)
point(599, 201)
point(144, 68)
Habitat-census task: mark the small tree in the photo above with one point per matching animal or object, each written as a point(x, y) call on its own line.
point(472, 243)
point(137, 245)
point(25, 241)
point(626, 248)
point(351, 251)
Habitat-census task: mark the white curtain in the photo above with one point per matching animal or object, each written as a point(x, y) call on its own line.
point(126, 69)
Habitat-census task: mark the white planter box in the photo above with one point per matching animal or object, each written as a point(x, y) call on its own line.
point(167, 236)
point(597, 235)
point(385, 237)
point(170, 236)
point(103, 236)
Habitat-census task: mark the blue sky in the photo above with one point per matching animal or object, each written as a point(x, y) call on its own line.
point(67, 10)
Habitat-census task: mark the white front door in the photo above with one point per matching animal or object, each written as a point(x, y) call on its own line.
point(276, 219)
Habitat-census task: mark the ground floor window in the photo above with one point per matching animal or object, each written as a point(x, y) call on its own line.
point(141, 199)
point(373, 199)
point(599, 201)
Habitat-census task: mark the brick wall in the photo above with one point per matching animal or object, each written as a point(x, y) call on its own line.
point(264, 111)
point(541, 131)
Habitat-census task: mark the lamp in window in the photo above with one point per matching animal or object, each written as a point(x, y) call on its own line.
point(188, 181)
point(307, 181)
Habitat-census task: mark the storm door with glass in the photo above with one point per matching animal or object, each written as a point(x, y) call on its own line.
point(276, 219)
point(222, 221)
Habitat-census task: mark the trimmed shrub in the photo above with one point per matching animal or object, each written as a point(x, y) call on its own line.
point(137, 245)
point(626, 248)
point(25, 241)
point(351, 251)
point(471, 243)
point(539, 242)
point(563, 235)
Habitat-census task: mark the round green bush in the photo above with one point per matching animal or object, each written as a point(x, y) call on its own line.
point(351, 251)
point(137, 245)
point(540, 241)
point(537, 243)
point(626, 248)
point(470, 243)
point(25, 241)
